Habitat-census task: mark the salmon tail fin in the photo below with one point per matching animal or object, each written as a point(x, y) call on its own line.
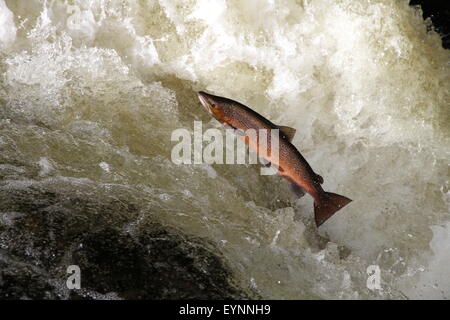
point(328, 205)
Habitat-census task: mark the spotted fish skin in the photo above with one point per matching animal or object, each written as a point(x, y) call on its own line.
point(290, 163)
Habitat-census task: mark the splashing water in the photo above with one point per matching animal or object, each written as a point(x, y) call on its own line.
point(91, 91)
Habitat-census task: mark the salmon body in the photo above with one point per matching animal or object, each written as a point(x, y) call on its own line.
point(289, 162)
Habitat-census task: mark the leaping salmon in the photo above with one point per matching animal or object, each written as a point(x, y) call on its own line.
point(290, 163)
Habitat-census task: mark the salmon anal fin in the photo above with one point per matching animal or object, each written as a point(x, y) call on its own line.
point(288, 132)
point(297, 189)
point(328, 205)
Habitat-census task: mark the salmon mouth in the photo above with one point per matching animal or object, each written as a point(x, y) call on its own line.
point(204, 101)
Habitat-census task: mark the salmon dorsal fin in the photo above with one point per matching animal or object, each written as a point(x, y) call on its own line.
point(288, 132)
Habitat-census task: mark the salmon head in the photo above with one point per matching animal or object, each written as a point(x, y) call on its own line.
point(219, 107)
point(233, 114)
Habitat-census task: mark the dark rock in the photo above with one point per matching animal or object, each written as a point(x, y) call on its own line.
point(22, 282)
point(49, 231)
point(439, 13)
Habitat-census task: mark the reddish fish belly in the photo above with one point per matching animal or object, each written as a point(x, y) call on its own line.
point(288, 168)
point(306, 183)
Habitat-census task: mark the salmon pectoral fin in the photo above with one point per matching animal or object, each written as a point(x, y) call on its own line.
point(328, 205)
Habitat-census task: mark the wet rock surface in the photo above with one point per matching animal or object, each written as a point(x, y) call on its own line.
point(40, 237)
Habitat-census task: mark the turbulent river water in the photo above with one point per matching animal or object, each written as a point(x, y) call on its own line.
point(91, 91)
